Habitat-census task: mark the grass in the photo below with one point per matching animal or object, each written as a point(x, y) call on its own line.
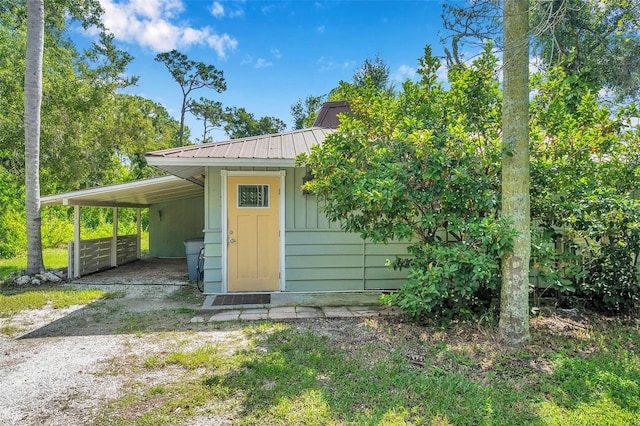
point(385, 372)
point(21, 299)
point(54, 258)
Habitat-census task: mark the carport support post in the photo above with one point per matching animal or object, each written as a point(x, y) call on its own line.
point(139, 230)
point(76, 241)
point(114, 239)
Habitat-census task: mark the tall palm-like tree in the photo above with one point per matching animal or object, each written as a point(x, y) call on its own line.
point(32, 105)
point(514, 300)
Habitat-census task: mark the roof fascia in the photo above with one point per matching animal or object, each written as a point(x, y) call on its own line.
point(108, 188)
point(90, 203)
point(219, 162)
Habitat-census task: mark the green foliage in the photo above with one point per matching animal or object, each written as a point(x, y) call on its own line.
point(304, 113)
point(13, 233)
point(240, 124)
point(211, 114)
point(33, 299)
point(422, 166)
point(610, 226)
point(595, 41)
point(190, 75)
point(456, 278)
point(585, 165)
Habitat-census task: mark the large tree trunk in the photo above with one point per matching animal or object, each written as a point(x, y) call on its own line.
point(514, 301)
point(32, 103)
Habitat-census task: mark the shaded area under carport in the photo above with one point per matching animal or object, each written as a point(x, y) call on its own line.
point(145, 271)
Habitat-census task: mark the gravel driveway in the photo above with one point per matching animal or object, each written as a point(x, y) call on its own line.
point(68, 366)
point(60, 366)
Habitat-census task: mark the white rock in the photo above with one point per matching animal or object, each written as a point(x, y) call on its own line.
point(36, 281)
point(51, 277)
point(23, 280)
point(59, 274)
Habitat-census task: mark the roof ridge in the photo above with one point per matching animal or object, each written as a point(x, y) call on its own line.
point(213, 144)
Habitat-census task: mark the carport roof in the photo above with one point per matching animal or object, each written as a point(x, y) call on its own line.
point(140, 193)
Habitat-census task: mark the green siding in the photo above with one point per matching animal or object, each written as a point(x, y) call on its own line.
point(324, 261)
point(173, 222)
point(335, 260)
point(303, 211)
point(328, 237)
point(324, 285)
point(213, 260)
point(390, 249)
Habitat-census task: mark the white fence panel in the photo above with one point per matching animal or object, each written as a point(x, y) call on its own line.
point(127, 249)
point(95, 254)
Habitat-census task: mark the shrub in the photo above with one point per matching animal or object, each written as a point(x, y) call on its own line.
point(13, 232)
point(609, 224)
point(422, 166)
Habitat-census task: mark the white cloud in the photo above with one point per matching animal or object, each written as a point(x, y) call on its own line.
point(221, 43)
point(327, 64)
point(217, 10)
point(257, 63)
point(235, 13)
point(267, 9)
point(402, 73)
point(150, 23)
point(276, 53)
point(262, 63)
point(321, 29)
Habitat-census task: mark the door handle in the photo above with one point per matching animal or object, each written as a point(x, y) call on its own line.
point(232, 240)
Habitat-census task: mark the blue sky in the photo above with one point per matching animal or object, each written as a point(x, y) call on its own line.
point(272, 53)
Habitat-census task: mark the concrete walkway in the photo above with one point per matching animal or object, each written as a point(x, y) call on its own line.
point(293, 312)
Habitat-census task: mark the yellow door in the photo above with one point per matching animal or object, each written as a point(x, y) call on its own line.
point(253, 233)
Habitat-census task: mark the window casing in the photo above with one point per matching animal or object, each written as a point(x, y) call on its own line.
point(253, 196)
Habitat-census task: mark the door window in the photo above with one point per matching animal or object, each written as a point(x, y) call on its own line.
point(253, 196)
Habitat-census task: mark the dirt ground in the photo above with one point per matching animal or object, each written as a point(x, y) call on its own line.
point(54, 367)
point(64, 366)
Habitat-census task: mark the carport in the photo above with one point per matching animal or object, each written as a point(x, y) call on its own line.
point(176, 213)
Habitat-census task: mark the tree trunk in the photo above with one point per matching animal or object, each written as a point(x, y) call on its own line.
point(32, 104)
point(514, 300)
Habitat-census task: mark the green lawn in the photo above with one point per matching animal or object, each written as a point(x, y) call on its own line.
point(381, 372)
point(54, 258)
point(16, 300)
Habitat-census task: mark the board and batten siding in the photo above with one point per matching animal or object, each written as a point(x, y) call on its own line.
point(319, 256)
point(171, 223)
point(213, 231)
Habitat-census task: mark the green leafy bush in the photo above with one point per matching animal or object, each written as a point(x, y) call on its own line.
point(13, 232)
point(455, 278)
point(585, 166)
point(610, 226)
point(422, 165)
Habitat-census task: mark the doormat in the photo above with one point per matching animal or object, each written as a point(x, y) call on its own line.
point(241, 299)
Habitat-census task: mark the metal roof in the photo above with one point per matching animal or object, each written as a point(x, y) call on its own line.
point(280, 146)
point(274, 150)
point(140, 193)
point(187, 165)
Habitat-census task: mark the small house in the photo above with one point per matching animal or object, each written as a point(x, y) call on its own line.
point(261, 232)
